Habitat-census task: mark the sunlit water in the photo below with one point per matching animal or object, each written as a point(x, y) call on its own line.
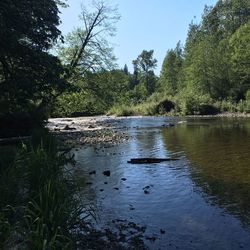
point(201, 201)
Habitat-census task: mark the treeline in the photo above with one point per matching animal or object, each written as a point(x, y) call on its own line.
point(209, 74)
point(213, 69)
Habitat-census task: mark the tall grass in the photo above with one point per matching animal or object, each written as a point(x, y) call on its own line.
point(39, 198)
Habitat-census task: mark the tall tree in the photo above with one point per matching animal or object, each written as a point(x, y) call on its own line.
point(240, 61)
point(30, 77)
point(125, 69)
point(87, 48)
point(171, 70)
point(144, 65)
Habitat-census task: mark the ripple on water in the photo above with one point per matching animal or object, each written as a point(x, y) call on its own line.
point(202, 201)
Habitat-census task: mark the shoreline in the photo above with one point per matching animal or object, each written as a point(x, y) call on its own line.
point(101, 129)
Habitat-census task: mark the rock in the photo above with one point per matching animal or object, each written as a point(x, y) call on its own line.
point(168, 125)
point(131, 207)
point(88, 183)
point(123, 179)
point(146, 191)
point(107, 173)
point(116, 188)
point(101, 190)
point(105, 183)
point(152, 238)
point(67, 127)
point(162, 231)
point(91, 126)
point(92, 172)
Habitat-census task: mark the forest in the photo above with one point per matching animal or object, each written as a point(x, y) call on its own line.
point(207, 75)
point(44, 74)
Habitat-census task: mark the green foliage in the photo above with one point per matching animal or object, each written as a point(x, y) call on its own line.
point(144, 67)
point(191, 102)
point(171, 70)
point(214, 68)
point(86, 48)
point(45, 195)
point(69, 104)
point(97, 93)
point(30, 77)
point(240, 54)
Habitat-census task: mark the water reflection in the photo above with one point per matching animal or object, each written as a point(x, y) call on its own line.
point(219, 156)
point(201, 201)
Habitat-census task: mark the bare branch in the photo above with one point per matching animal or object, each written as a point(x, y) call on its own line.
point(88, 45)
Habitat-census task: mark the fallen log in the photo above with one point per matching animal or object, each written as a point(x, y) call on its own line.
point(150, 160)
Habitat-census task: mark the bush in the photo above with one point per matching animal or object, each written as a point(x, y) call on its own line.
point(70, 104)
point(193, 103)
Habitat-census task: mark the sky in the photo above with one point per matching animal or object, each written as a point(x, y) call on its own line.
point(144, 25)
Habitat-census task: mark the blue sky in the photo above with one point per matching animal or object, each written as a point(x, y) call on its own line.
point(144, 24)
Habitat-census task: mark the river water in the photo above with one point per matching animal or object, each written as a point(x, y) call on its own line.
point(201, 201)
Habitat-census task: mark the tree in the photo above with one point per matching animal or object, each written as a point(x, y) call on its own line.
point(30, 77)
point(125, 69)
point(240, 61)
point(171, 70)
point(87, 48)
point(144, 66)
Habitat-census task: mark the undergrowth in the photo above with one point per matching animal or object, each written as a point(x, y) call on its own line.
point(40, 206)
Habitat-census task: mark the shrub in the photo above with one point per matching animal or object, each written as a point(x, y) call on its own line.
point(191, 102)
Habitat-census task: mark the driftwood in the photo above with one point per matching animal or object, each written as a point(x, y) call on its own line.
point(150, 160)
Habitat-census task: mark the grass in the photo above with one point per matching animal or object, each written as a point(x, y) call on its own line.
point(39, 199)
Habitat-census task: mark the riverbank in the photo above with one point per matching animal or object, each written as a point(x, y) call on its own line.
point(87, 130)
point(106, 129)
point(225, 114)
point(100, 129)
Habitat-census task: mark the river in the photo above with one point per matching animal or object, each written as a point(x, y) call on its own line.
point(201, 201)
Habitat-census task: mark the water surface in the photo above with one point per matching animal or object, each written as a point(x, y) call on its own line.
point(201, 201)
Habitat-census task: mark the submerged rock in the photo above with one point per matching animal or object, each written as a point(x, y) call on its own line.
point(107, 172)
